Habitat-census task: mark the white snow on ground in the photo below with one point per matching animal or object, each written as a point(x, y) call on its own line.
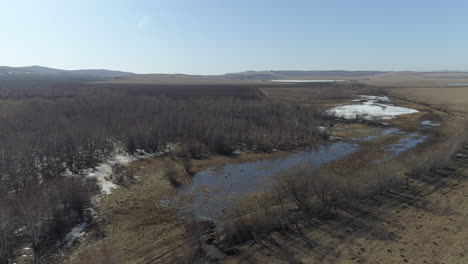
point(76, 234)
point(374, 98)
point(370, 108)
point(103, 172)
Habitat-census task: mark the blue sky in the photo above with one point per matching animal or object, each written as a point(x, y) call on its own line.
point(219, 36)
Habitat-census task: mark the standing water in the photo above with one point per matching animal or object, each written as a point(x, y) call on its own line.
point(219, 187)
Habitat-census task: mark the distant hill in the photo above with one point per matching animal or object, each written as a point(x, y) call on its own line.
point(40, 70)
point(285, 75)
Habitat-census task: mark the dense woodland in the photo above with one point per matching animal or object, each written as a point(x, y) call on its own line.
point(50, 126)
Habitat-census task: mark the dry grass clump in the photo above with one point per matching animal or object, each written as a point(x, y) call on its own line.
point(173, 174)
point(122, 175)
point(439, 154)
point(194, 245)
point(106, 253)
point(263, 216)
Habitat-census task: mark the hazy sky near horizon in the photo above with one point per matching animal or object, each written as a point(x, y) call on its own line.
point(220, 36)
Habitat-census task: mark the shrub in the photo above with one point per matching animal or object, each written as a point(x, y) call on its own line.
point(195, 149)
point(187, 163)
point(265, 147)
point(123, 175)
point(172, 174)
point(222, 146)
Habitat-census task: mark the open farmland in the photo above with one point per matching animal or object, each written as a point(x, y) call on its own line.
point(453, 99)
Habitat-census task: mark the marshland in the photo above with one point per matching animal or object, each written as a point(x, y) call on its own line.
point(146, 174)
point(233, 132)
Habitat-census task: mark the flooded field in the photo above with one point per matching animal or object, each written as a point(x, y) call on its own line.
point(216, 188)
point(406, 143)
point(382, 133)
point(430, 123)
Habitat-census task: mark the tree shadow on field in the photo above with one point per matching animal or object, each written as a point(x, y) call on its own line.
point(371, 219)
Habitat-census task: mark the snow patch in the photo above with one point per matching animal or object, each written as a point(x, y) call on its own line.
point(103, 172)
point(375, 98)
point(370, 108)
point(75, 235)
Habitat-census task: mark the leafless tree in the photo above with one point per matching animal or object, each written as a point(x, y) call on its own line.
point(7, 221)
point(34, 206)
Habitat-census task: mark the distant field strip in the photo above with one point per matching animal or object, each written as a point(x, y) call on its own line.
point(451, 98)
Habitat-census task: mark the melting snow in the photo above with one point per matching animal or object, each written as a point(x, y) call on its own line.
point(370, 108)
point(103, 172)
point(76, 234)
point(374, 98)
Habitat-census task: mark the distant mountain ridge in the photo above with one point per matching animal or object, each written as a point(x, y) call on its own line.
point(277, 75)
point(340, 75)
point(40, 70)
point(243, 76)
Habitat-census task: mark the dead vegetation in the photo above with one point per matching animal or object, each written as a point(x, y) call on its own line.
point(323, 194)
point(173, 174)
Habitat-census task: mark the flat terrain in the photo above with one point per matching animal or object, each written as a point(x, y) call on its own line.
point(424, 222)
point(454, 99)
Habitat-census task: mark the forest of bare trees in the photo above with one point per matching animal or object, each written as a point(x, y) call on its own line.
point(50, 129)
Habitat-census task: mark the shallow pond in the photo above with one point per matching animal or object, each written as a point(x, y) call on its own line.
point(384, 132)
point(216, 188)
point(430, 123)
point(407, 142)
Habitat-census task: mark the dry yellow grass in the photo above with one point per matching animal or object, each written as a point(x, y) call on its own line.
point(425, 224)
point(455, 99)
point(137, 227)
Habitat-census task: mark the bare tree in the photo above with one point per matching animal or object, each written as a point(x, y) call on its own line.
point(34, 206)
point(7, 220)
